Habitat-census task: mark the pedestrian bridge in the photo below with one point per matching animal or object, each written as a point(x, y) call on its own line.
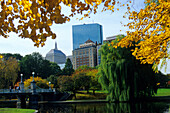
point(14, 91)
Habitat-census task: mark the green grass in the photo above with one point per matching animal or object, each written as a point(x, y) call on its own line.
point(83, 95)
point(16, 110)
point(100, 94)
point(163, 92)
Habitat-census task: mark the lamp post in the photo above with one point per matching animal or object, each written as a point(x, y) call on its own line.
point(33, 75)
point(33, 84)
point(21, 85)
point(21, 78)
point(50, 86)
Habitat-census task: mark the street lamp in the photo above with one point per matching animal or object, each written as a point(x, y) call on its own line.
point(33, 75)
point(21, 77)
point(49, 85)
point(21, 85)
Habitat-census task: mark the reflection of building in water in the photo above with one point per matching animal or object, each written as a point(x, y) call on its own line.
point(56, 56)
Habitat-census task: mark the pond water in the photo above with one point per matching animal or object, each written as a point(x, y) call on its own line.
point(156, 107)
point(153, 107)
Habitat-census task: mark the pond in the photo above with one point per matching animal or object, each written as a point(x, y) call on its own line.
point(152, 107)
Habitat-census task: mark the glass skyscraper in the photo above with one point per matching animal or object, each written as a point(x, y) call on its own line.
point(82, 33)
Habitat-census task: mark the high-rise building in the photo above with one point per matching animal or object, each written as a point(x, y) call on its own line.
point(98, 55)
point(86, 54)
point(109, 39)
point(82, 33)
point(55, 55)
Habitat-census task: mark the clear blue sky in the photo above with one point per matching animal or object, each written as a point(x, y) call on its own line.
point(110, 22)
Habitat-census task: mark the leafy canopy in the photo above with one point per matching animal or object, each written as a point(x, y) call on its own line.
point(8, 72)
point(33, 18)
point(150, 26)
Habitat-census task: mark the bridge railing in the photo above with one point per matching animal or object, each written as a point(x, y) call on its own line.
point(24, 91)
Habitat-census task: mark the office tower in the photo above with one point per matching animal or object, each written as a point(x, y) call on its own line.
point(82, 33)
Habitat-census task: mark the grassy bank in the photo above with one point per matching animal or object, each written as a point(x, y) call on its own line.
point(163, 92)
point(83, 95)
point(16, 110)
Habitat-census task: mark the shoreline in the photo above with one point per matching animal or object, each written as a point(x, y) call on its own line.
point(153, 99)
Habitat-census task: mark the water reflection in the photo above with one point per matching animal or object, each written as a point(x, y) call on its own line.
point(155, 107)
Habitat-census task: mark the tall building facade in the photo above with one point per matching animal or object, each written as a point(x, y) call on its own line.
point(86, 54)
point(82, 33)
point(55, 55)
point(98, 55)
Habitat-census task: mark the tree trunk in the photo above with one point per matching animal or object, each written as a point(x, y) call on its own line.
point(93, 91)
point(87, 91)
point(74, 93)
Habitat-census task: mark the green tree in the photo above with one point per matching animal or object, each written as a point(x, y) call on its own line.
point(122, 75)
point(53, 80)
point(65, 83)
point(68, 68)
point(55, 69)
point(8, 72)
point(82, 81)
point(34, 63)
point(94, 84)
point(8, 55)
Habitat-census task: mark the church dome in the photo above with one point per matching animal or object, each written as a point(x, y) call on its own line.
point(55, 55)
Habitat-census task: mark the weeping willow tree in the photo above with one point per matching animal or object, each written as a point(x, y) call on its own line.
point(122, 75)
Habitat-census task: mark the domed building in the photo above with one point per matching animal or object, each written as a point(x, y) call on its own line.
point(55, 55)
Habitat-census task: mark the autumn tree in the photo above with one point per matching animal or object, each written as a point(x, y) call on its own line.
point(39, 15)
point(123, 76)
point(8, 55)
point(41, 83)
point(86, 78)
point(151, 28)
point(65, 83)
point(8, 72)
point(94, 84)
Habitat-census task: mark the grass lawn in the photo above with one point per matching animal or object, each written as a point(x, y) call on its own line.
point(83, 95)
point(163, 92)
point(16, 110)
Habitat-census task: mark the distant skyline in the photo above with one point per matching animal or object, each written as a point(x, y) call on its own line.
point(111, 23)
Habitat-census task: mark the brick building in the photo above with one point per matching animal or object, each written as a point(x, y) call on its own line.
point(86, 54)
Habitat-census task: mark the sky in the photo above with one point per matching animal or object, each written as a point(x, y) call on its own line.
point(111, 23)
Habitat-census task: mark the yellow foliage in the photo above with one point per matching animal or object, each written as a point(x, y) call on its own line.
point(150, 26)
point(1, 56)
point(32, 13)
point(38, 80)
